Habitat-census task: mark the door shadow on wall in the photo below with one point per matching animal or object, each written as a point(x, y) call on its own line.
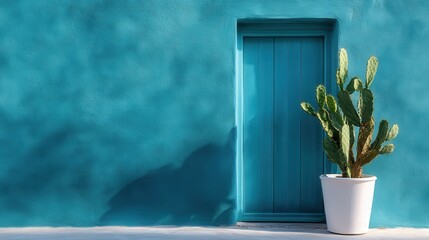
point(197, 193)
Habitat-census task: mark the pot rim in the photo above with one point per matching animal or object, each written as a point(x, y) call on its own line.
point(337, 177)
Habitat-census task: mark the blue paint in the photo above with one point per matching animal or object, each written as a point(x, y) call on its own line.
point(277, 169)
point(282, 155)
point(197, 193)
point(258, 167)
point(97, 95)
point(312, 68)
point(288, 123)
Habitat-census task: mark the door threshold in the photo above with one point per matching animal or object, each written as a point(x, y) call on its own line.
point(281, 225)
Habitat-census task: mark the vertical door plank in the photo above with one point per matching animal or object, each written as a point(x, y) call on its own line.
point(287, 124)
point(311, 149)
point(258, 117)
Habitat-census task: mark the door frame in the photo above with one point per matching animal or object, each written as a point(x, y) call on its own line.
point(326, 28)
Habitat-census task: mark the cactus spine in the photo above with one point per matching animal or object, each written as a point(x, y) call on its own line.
point(338, 119)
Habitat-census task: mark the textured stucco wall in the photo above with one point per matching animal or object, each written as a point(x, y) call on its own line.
point(122, 112)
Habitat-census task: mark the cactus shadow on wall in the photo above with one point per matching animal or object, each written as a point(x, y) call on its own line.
point(197, 193)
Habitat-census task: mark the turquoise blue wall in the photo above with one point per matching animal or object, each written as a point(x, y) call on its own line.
point(122, 112)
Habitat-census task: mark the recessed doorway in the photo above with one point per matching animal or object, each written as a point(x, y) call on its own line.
point(280, 156)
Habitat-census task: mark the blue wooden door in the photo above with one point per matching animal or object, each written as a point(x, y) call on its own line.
point(282, 154)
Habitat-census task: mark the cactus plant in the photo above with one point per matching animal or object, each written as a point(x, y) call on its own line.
point(340, 117)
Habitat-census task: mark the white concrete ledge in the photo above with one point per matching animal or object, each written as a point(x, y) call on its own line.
point(247, 231)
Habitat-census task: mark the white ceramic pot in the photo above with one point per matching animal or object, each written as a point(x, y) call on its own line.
point(348, 203)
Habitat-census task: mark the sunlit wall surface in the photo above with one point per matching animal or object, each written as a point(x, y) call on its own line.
point(123, 112)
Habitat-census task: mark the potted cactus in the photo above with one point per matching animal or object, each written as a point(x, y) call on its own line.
point(348, 196)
